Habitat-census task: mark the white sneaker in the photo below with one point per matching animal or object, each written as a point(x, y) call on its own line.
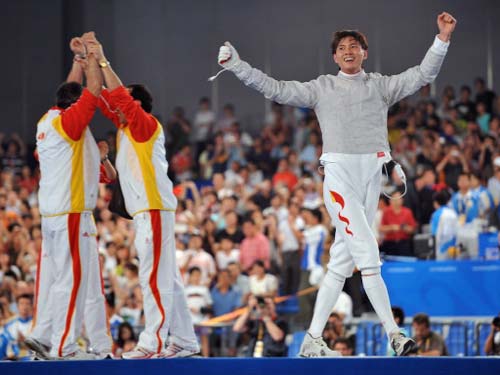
point(42, 351)
point(402, 345)
point(177, 351)
point(78, 355)
point(142, 353)
point(316, 347)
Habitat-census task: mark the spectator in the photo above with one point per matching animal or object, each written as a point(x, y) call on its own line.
point(444, 226)
point(481, 194)
point(483, 95)
point(198, 257)
point(492, 344)
point(227, 253)
point(311, 267)
point(16, 329)
point(452, 165)
point(182, 162)
point(494, 181)
point(267, 330)
point(398, 226)
point(239, 281)
point(429, 343)
point(227, 119)
point(125, 334)
point(226, 298)
point(199, 301)
point(399, 318)
point(179, 129)
point(204, 121)
point(465, 106)
point(344, 346)
point(231, 230)
point(255, 246)
point(284, 176)
point(334, 329)
point(261, 283)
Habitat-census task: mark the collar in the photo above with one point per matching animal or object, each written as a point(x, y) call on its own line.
point(352, 77)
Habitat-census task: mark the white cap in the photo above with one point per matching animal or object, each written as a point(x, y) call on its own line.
point(496, 161)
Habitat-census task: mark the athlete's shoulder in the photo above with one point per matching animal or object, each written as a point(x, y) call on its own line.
point(374, 75)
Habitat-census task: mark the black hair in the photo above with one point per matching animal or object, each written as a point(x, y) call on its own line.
point(441, 197)
point(339, 35)
point(141, 93)
point(68, 93)
point(422, 318)
point(194, 269)
point(398, 312)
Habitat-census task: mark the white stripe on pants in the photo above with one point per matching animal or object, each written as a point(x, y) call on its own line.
point(353, 180)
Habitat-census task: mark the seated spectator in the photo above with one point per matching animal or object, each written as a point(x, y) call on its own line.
point(255, 246)
point(399, 318)
point(125, 333)
point(398, 226)
point(226, 254)
point(16, 329)
point(334, 329)
point(231, 229)
point(344, 346)
point(267, 331)
point(429, 342)
point(285, 176)
point(444, 227)
point(261, 283)
point(199, 301)
point(492, 344)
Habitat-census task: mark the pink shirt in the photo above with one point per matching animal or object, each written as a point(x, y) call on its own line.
point(255, 248)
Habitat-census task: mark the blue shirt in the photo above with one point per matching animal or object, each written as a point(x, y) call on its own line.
point(224, 303)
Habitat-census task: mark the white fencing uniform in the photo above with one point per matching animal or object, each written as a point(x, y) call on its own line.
point(352, 113)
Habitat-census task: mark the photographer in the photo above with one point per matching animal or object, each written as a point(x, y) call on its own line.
point(492, 344)
point(266, 330)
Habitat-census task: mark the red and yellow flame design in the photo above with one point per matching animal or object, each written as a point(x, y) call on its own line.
point(337, 198)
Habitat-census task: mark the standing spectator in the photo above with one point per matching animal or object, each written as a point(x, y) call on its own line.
point(311, 268)
point(483, 95)
point(492, 344)
point(285, 176)
point(227, 119)
point(481, 194)
point(231, 230)
point(226, 298)
point(465, 106)
point(267, 331)
point(198, 257)
point(255, 246)
point(444, 226)
point(262, 283)
point(429, 342)
point(483, 117)
point(289, 239)
point(199, 302)
point(238, 280)
point(182, 162)
point(179, 129)
point(227, 253)
point(398, 226)
point(452, 165)
point(204, 120)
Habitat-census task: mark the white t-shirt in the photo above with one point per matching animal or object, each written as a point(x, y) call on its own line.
point(267, 285)
point(223, 258)
point(344, 306)
point(202, 122)
point(198, 296)
point(290, 242)
point(204, 261)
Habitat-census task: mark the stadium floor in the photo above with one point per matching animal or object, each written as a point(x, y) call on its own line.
point(249, 366)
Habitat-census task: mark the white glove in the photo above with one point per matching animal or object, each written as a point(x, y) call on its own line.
point(228, 56)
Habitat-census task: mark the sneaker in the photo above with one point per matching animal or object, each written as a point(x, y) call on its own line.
point(177, 351)
point(402, 345)
point(78, 355)
point(316, 347)
point(42, 351)
point(141, 353)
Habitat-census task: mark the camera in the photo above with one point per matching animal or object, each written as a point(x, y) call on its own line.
point(261, 301)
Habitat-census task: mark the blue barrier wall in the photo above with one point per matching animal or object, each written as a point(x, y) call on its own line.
point(240, 366)
point(448, 288)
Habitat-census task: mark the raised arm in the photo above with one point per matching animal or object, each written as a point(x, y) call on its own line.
point(396, 87)
point(299, 94)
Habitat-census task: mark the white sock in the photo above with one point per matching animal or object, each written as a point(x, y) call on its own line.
point(377, 294)
point(325, 301)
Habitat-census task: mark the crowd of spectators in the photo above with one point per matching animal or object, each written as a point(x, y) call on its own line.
point(250, 223)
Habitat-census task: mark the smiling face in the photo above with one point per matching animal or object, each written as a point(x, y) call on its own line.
point(350, 55)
